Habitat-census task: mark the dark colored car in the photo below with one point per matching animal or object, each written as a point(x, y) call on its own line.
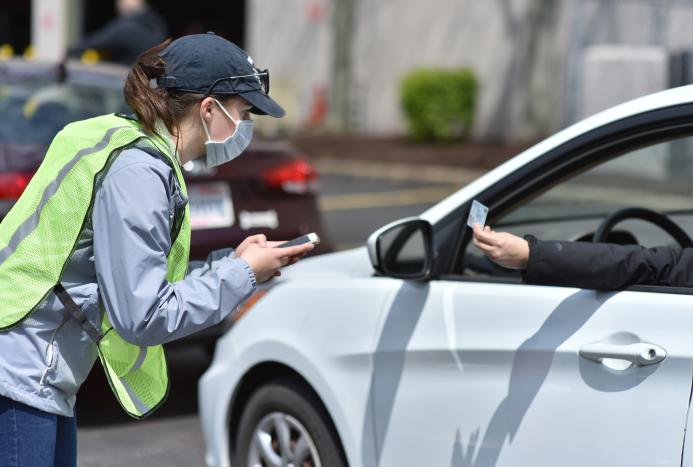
point(271, 189)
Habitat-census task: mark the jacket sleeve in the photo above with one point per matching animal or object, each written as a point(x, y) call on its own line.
point(131, 220)
point(603, 266)
point(200, 268)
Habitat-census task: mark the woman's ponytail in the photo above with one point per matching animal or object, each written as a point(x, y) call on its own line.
point(150, 105)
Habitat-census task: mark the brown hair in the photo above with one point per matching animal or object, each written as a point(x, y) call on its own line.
point(149, 104)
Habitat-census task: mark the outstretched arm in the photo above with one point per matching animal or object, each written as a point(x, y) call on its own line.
point(599, 266)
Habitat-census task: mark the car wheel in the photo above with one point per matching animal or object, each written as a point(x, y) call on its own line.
point(284, 425)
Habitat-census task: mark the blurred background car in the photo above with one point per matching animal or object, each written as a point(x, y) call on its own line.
point(271, 190)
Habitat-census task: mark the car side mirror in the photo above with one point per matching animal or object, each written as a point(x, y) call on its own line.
point(403, 249)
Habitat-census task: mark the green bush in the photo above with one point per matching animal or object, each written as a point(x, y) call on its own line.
point(439, 104)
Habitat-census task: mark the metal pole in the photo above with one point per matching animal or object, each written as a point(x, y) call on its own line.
point(342, 32)
point(612, 25)
point(575, 62)
point(659, 20)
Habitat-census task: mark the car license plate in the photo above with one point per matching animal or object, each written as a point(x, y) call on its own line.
point(210, 206)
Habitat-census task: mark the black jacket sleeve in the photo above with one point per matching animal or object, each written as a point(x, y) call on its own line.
point(603, 266)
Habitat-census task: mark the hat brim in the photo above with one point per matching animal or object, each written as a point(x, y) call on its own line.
point(263, 104)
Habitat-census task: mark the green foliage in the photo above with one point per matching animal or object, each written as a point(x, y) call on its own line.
point(439, 104)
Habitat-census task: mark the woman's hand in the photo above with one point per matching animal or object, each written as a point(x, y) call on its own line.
point(266, 261)
point(259, 239)
point(504, 249)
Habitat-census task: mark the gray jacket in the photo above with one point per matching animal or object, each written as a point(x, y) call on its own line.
point(119, 264)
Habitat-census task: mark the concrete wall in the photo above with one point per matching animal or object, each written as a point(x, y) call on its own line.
point(616, 74)
point(394, 36)
point(292, 39)
point(528, 54)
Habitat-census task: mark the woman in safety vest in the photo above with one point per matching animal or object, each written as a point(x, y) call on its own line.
point(94, 255)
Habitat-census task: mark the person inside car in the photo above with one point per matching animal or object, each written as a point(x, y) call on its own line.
point(94, 255)
point(598, 266)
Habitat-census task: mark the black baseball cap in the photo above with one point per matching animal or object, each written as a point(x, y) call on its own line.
point(211, 65)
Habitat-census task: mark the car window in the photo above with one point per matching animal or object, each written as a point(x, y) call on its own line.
point(32, 113)
point(657, 177)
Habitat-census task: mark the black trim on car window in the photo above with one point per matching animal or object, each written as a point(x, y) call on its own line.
point(569, 159)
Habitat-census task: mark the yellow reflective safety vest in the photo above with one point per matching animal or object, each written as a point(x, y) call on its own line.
point(39, 234)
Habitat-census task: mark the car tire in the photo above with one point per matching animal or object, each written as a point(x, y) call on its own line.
point(286, 403)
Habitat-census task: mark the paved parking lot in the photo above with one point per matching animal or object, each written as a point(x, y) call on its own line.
point(171, 437)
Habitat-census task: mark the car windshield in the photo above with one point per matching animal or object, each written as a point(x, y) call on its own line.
point(31, 113)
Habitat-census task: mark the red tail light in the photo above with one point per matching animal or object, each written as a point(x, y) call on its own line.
point(12, 185)
point(294, 177)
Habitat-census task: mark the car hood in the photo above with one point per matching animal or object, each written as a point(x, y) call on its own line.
point(350, 263)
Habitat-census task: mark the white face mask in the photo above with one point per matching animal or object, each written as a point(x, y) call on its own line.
point(220, 152)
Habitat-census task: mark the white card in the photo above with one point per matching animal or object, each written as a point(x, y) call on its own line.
point(477, 215)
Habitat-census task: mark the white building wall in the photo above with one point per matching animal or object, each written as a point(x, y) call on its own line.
point(395, 36)
point(531, 72)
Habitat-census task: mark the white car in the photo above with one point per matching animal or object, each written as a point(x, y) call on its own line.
point(418, 351)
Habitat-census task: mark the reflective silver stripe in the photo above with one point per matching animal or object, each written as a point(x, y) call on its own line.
point(32, 222)
point(139, 405)
point(138, 363)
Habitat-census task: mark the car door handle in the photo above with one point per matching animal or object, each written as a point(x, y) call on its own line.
point(640, 353)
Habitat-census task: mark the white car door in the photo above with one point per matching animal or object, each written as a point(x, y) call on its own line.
point(493, 376)
point(480, 371)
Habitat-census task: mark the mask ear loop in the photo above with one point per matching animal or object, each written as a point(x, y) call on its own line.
point(223, 109)
point(204, 125)
point(226, 112)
